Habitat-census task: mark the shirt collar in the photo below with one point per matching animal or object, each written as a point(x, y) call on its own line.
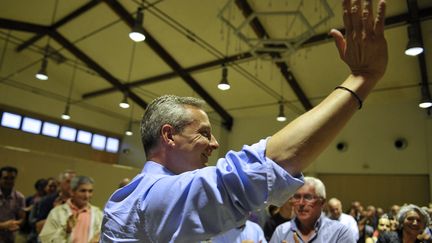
point(156, 168)
point(75, 208)
point(317, 225)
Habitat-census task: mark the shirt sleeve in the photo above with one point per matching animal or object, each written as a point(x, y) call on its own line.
point(208, 201)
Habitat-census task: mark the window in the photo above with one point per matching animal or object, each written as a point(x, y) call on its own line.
point(11, 120)
point(31, 125)
point(50, 129)
point(98, 142)
point(112, 145)
point(67, 133)
point(84, 137)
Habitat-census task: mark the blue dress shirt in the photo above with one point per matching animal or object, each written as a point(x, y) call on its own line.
point(326, 231)
point(159, 206)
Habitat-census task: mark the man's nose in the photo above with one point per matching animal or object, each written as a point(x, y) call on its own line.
point(214, 143)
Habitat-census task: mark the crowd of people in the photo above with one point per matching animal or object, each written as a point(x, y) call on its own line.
point(60, 211)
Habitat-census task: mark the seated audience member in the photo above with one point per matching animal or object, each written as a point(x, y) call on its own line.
point(412, 223)
point(281, 215)
point(335, 212)
point(383, 226)
point(51, 186)
point(12, 204)
point(394, 210)
point(39, 186)
point(355, 210)
point(76, 220)
point(249, 232)
point(372, 216)
point(30, 201)
point(309, 224)
point(394, 224)
point(42, 209)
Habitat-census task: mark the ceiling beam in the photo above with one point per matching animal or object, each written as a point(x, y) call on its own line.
point(259, 30)
point(22, 26)
point(392, 21)
point(169, 75)
point(173, 64)
point(59, 23)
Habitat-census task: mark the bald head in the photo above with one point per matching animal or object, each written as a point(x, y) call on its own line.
point(334, 208)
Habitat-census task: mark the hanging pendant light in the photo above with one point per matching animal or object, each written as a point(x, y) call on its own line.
point(42, 73)
point(281, 116)
point(223, 84)
point(137, 32)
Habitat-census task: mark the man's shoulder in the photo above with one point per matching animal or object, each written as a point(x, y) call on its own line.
point(347, 217)
point(334, 225)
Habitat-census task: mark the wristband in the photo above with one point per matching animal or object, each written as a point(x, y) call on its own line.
point(360, 102)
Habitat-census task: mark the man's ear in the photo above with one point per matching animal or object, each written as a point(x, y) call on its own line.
point(167, 133)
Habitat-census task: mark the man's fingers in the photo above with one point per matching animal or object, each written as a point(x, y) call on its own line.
point(367, 17)
point(380, 18)
point(339, 41)
point(346, 7)
point(295, 238)
point(356, 11)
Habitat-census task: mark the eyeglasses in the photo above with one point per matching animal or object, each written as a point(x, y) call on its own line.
point(308, 198)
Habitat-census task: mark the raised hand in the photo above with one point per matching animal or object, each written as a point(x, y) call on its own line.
point(364, 48)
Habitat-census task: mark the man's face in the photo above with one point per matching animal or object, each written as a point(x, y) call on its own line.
point(307, 205)
point(335, 209)
point(413, 224)
point(7, 180)
point(82, 195)
point(194, 145)
point(65, 183)
point(383, 224)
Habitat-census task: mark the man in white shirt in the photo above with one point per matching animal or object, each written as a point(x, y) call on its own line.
point(335, 213)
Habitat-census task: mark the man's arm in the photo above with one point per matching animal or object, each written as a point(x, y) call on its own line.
point(364, 50)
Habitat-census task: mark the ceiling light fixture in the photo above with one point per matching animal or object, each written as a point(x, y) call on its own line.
point(66, 115)
point(129, 131)
point(42, 73)
point(137, 33)
point(414, 46)
point(124, 103)
point(281, 117)
point(426, 101)
point(223, 84)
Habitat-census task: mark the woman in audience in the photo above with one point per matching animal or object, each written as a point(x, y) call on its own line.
point(412, 223)
point(383, 226)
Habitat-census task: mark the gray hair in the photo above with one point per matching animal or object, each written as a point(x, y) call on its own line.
point(411, 207)
point(167, 109)
point(317, 184)
point(80, 180)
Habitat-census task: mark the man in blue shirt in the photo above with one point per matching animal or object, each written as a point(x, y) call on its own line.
point(177, 199)
point(310, 224)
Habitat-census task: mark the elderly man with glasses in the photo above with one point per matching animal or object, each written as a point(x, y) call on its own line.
point(309, 224)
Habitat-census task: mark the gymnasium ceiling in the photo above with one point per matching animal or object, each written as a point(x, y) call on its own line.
point(274, 50)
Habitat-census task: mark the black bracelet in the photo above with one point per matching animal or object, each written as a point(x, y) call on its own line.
point(354, 94)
